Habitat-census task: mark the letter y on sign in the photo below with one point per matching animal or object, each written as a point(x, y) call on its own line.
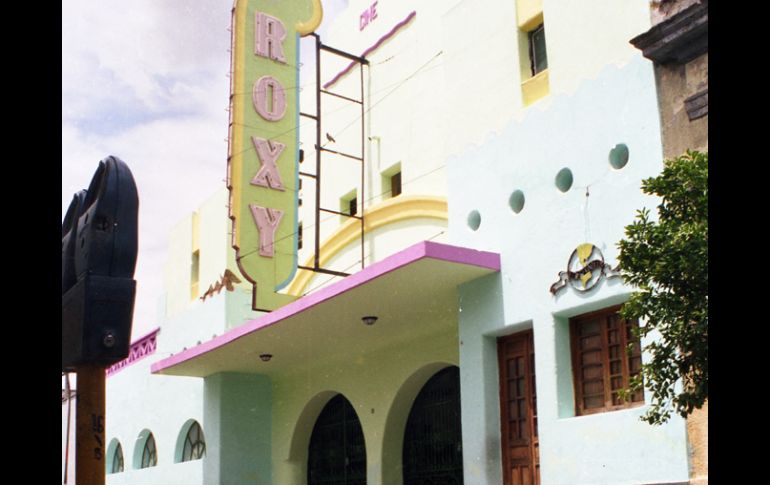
point(267, 222)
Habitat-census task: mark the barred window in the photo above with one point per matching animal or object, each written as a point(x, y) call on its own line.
point(602, 366)
point(194, 443)
point(149, 454)
point(117, 460)
point(337, 452)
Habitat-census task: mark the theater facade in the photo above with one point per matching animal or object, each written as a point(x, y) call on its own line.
point(411, 276)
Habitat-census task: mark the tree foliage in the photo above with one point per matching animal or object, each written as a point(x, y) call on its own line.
point(667, 261)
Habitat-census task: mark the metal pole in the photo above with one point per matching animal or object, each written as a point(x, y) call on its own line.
point(89, 424)
point(363, 165)
point(68, 394)
point(317, 257)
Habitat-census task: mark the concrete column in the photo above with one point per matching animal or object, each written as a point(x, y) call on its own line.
point(481, 310)
point(237, 415)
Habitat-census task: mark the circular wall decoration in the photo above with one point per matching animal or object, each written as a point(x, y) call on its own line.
point(516, 201)
point(564, 179)
point(474, 220)
point(619, 156)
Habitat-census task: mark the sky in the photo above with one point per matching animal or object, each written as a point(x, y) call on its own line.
point(147, 81)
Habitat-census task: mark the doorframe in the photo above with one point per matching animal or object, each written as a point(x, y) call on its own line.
point(531, 388)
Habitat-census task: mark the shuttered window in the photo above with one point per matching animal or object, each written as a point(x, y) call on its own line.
point(601, 364)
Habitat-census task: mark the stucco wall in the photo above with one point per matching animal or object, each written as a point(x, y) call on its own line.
point(211, 231)
point(675, 84)
point(137, 400)
point(578, 131)
point(442, 81)
point(237, 413)
point(380, 385)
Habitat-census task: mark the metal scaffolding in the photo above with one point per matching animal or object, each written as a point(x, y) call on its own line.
point(320, 150)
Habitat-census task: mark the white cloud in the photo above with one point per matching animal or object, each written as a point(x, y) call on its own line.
point(139, 55)
point(146, 81)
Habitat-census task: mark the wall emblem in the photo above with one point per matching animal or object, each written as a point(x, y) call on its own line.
point(227, 281)
point(585, 268)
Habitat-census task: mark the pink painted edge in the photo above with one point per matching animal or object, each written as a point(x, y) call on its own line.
point(152, 333)
point(376, 45)
point(424, 249)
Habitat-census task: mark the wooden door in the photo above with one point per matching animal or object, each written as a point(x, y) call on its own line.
point(518, 408)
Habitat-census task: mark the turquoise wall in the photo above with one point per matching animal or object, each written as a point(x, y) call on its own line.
point(381, 385)
point(576, 131)
point(237, 412)
point(481, 303)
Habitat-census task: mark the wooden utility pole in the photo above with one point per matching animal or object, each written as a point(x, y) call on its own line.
point(90, 450)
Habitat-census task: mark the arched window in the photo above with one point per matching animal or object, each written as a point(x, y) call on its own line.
point(433, 437)
point(149, 453)
point(194, 443)
point(114, 457)
point(337, 453)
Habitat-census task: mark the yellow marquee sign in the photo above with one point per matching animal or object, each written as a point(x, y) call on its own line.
point(263, 148)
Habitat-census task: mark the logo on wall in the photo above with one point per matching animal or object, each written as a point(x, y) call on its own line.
point(263, 142)
point(585, 268)
point(227, 281)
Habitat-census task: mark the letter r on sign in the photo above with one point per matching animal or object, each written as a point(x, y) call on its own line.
point(269, 34)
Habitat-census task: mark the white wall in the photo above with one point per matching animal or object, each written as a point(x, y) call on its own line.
point(578, 132)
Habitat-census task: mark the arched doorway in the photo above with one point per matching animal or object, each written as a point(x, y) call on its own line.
point(337, 452)
point(432, 452)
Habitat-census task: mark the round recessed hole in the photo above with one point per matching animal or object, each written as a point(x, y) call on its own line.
point(474, 220)
point(516, 201)
point(619, 156)
point(564, 179)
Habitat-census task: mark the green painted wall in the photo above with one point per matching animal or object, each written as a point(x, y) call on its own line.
point(381, 385)
point(237, 415)
point(481, 310)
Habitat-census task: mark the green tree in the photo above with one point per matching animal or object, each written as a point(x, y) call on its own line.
point(667, 261)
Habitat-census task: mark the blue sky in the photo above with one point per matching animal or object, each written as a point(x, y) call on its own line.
point(147, 81)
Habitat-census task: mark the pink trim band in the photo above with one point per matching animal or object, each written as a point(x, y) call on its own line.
point(140, 348)
point(376, 45)
point(424, 249)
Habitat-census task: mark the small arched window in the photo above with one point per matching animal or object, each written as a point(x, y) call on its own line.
point(194, 443)
point(114, 457)
point(149, 453)
point(117, 460)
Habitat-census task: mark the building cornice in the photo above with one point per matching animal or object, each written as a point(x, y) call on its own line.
point(678, 39)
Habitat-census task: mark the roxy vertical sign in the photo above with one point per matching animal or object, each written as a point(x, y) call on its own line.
point(263, 147)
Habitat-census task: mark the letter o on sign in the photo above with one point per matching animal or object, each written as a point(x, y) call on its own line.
point(269, 98)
